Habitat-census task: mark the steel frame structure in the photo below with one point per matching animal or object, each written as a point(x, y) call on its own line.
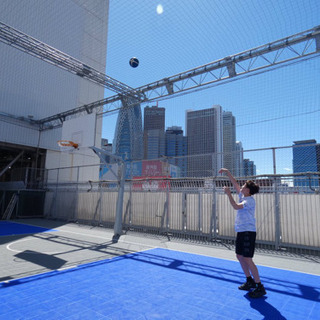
point(268, 56)
point(298, 47)
point(38, 49)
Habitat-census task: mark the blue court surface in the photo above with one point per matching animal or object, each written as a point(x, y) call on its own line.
point(159, 284)
point(11, 228)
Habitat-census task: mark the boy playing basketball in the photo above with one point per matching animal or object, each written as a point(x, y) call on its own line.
point(245, 226)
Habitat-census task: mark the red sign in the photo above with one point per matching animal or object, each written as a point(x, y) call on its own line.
point(152, 168)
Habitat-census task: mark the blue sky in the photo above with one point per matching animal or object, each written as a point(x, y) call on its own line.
point(272, 109)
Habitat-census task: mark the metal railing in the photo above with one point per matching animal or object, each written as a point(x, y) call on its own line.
point(286, 217)
point(287, 207)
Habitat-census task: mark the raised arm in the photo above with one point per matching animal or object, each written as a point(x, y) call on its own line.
point(231, 178)
point(235, 205)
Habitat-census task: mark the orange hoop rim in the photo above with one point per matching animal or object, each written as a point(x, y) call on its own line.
point(67, 143)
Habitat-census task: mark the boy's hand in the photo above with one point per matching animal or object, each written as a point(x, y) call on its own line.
point(223, 170)
point(232, 179)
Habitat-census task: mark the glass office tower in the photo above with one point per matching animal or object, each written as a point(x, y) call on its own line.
point(128, 141)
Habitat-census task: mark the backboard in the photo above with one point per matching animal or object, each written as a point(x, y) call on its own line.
point(80, 130)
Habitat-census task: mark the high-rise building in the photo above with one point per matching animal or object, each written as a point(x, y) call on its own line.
point(128, 140)
point(177, 148)
point(249, 168)
point(239, 159)
point(205, 141)
point(154, 144)
point(154, 118)
point(229, 142)
point(306, 158)
point(153, 132)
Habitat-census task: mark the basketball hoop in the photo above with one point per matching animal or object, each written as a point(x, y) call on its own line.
point(67, 145)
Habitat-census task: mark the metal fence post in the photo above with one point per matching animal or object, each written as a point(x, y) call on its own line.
point(200, 212)
point(213, 225)
point(130, 201)
point(184, 211)
point(277, 214)
point(167, 204)
point(76, 207)
point(276, 203)
point(100, 202)
point(274, 161)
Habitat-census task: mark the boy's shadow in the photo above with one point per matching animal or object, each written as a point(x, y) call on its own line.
point(266, 309)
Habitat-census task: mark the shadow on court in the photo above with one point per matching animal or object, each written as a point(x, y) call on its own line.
point(265, 309)
point(45, 260)
point(121, 281)
point(163, 284)
point(28, 250)
point(76, 252)
point(289, 287)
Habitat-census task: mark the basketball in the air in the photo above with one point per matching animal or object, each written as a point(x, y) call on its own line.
point(134, 62)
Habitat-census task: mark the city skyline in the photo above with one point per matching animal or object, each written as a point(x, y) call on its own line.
point(272, 109)
point(209, 142)
point(230, 148)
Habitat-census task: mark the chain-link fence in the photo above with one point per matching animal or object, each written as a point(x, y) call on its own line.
point(158, 198)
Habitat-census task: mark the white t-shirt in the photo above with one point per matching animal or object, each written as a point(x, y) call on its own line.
point(245, 219)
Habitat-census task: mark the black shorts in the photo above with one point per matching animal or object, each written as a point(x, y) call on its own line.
point(245, 243)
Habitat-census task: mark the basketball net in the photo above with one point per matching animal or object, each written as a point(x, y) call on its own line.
point(67, 145)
